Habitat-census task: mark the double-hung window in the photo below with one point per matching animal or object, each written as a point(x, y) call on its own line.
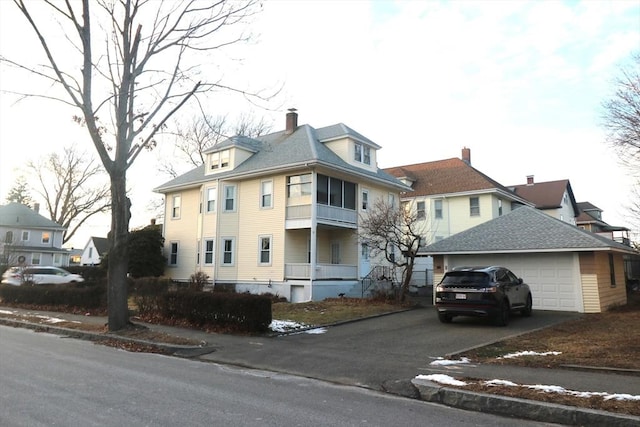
point(265, 250)
point(227, 251)
point(208, 251)
point(437, 209)
point(173, 253)
point(365, 200)
point(299, 185)
point(25, 236)
point(266, 194)
point(229, 198)
point(46, 237)
point(362, 153)
point(474, 206)
point(420, 214)
point(211, 199)
point(175, 206)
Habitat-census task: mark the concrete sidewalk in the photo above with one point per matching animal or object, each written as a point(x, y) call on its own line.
point(351, 354)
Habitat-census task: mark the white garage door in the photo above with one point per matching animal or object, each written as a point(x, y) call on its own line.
point(554, 278)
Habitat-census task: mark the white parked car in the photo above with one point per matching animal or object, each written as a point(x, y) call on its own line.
point(39, 275)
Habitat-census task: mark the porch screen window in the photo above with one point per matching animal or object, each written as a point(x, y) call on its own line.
point(474, 206)
point(299, 185)
point(336, 192)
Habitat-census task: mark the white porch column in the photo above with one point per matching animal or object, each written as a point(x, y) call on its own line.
point(314, 225)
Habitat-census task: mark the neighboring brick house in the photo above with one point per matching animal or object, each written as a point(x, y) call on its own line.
point(278, 213)
point(28, 238)
point(554, 198)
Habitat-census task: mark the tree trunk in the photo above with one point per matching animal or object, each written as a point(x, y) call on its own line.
point(118, 253)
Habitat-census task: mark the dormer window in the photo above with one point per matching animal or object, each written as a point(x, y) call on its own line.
point(362, 154)
point(220, 160)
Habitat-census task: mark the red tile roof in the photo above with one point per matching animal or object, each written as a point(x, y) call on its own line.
point(444, 177)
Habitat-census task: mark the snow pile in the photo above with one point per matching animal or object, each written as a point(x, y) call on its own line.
point(446, 362)
point(529, 353)
point(448, 380)
point(284, 326)
point(442, 379)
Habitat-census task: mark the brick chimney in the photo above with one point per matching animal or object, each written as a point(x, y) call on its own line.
point(292, 121)
point(36, 207)
point(466, 155)
point(529, 179)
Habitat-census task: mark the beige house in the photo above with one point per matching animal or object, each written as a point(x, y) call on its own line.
point(450, 196)
point(279, 213)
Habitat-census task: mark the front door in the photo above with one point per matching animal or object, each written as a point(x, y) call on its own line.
point(365, 263)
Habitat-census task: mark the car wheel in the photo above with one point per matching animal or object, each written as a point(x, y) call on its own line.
point(527, 310)
point(445, 318)
point(502, 317)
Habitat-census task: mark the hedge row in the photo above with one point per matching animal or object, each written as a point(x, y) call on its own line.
point(81, 295)
point(240, 312)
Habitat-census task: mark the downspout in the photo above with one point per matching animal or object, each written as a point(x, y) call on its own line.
point(313, 238)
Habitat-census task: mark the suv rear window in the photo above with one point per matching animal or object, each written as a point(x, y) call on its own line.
point(472, 278)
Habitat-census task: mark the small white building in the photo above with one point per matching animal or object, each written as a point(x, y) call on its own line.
point(95, 249)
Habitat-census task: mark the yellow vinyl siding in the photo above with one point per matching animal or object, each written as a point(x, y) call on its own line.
point(228, 225)
point(256, 222)
point(183, 230)
point(610, 296)
point(590, 294)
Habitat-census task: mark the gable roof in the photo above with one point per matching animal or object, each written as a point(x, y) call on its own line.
point(447, 176)
point(547, 195)
point(280, 151)
point(101, 244)
point(525, 229)
point(591, 214)
point(17, 215)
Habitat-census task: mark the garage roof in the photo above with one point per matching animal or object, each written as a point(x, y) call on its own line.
point(524, 229)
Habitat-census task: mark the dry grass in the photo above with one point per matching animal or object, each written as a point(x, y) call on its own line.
point(331, 310)
point(610, 339)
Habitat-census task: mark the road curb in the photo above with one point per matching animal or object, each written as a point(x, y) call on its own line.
point(520, 408)
point(186, 351)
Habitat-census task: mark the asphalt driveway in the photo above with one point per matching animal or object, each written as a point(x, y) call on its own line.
point(373, 351)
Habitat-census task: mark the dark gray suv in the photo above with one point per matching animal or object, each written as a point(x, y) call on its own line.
point(493, 292)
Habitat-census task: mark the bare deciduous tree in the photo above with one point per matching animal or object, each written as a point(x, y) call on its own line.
point(204, 132)
point(621, 120)
point(127, 71)
point(395, 233)
point(72, 188)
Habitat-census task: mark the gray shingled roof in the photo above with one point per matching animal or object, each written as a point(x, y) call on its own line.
point(279, 151)
point(17, 215)
point(525, 229)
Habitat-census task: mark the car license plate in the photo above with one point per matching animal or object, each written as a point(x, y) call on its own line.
point(461, 296)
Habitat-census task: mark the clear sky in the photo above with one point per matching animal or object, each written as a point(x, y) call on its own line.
point(519, 83)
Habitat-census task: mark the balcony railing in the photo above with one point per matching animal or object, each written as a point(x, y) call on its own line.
point(323, 271)
point(324, 213)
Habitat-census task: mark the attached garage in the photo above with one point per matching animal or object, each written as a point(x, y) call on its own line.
point(568, 269)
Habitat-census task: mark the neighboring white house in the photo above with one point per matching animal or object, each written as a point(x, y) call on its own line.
point(28, 238)
point(95, 249)
point(278, 213)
